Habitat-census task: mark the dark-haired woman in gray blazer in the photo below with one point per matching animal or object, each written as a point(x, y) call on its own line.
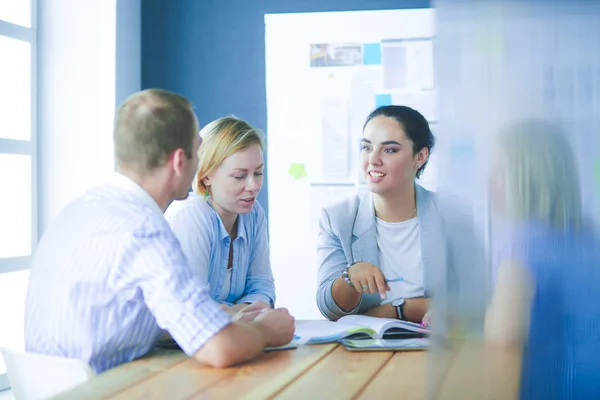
point(388, 252)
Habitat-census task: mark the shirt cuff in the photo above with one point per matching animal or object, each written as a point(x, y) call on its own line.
point(194, 332)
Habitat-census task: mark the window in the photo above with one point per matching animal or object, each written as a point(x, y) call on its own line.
point(18, 156)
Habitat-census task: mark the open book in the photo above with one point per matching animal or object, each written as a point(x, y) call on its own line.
point(356, 327)
point(386, 344)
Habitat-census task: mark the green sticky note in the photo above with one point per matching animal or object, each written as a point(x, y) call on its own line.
point(597, 175)
point(297, 171)
point(361, 329)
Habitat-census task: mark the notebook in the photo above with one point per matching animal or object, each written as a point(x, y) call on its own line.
point(356, 327)
point(386, 344)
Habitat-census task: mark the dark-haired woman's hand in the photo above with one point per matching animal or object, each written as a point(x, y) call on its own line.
point(426, 322)
point(368, 279)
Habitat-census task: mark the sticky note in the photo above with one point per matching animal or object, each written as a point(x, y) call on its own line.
point(383, 100)
point(462, 149)
point(597, 175)
point(297, 171)
point(372, 54)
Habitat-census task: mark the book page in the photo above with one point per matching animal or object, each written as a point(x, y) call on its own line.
point(322, 331)
point(380, 325)
point(377, 324)
point(388, 344)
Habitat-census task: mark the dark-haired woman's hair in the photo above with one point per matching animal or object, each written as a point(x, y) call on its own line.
point(414, 124)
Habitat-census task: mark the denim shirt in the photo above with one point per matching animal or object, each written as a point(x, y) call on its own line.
point(205, 242)
point(560, 357)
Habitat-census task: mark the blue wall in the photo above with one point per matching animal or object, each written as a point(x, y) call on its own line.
point(213, 51)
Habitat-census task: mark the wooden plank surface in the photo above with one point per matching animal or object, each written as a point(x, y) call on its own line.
point(124, 376)
point(403, 376)
point(267, 375)
point(341, 375)
point(311, 372)
point(468, 366)
point(179, 382)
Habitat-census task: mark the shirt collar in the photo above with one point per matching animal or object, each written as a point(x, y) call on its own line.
point(131, 187)
point(241, 232)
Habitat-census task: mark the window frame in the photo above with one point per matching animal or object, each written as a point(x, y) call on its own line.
point(24, 147)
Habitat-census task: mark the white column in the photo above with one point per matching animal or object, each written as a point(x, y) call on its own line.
point(89, 60)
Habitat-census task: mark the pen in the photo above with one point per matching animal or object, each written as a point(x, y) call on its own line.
point(395, 280)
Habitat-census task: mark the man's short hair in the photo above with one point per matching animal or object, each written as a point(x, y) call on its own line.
point(150, 125)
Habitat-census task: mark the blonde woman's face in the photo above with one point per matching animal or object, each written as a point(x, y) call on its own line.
point(235, 184)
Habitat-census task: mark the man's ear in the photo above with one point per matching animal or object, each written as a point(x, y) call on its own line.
point(178, 158)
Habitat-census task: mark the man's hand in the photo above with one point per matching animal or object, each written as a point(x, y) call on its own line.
point(277, 326)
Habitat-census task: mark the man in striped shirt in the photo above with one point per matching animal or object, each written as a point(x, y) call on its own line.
point(108, 277)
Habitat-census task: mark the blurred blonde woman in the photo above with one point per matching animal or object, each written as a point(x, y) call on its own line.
point(222, 228)
point(543, 324)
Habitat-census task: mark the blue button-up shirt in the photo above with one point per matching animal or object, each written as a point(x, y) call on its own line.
point(206, 244)
point(109, 276)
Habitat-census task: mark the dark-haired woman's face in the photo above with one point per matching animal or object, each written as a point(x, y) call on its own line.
point(387, 157)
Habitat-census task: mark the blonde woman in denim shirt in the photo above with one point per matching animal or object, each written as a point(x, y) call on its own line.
point(222, 228)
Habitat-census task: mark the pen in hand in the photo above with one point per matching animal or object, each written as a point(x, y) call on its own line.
point(394, 280)
point(387, 281)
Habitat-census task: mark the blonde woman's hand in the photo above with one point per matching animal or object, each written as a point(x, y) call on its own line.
point(368, 279)
point(249, 312)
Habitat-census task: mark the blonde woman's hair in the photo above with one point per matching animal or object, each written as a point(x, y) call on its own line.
point(541, 177)
point(221, 139)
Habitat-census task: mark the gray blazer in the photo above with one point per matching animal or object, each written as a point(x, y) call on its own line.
point(453, 257)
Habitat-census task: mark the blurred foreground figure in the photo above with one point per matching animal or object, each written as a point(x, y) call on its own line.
point(546, 304)
point(499, 62)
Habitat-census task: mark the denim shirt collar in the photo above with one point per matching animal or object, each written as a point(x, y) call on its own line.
point(241, 232)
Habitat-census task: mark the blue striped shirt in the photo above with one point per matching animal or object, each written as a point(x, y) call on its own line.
point(109, 276)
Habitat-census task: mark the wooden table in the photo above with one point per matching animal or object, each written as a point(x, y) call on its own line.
point(309, 372)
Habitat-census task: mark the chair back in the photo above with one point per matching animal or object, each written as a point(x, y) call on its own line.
point(38, 376)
